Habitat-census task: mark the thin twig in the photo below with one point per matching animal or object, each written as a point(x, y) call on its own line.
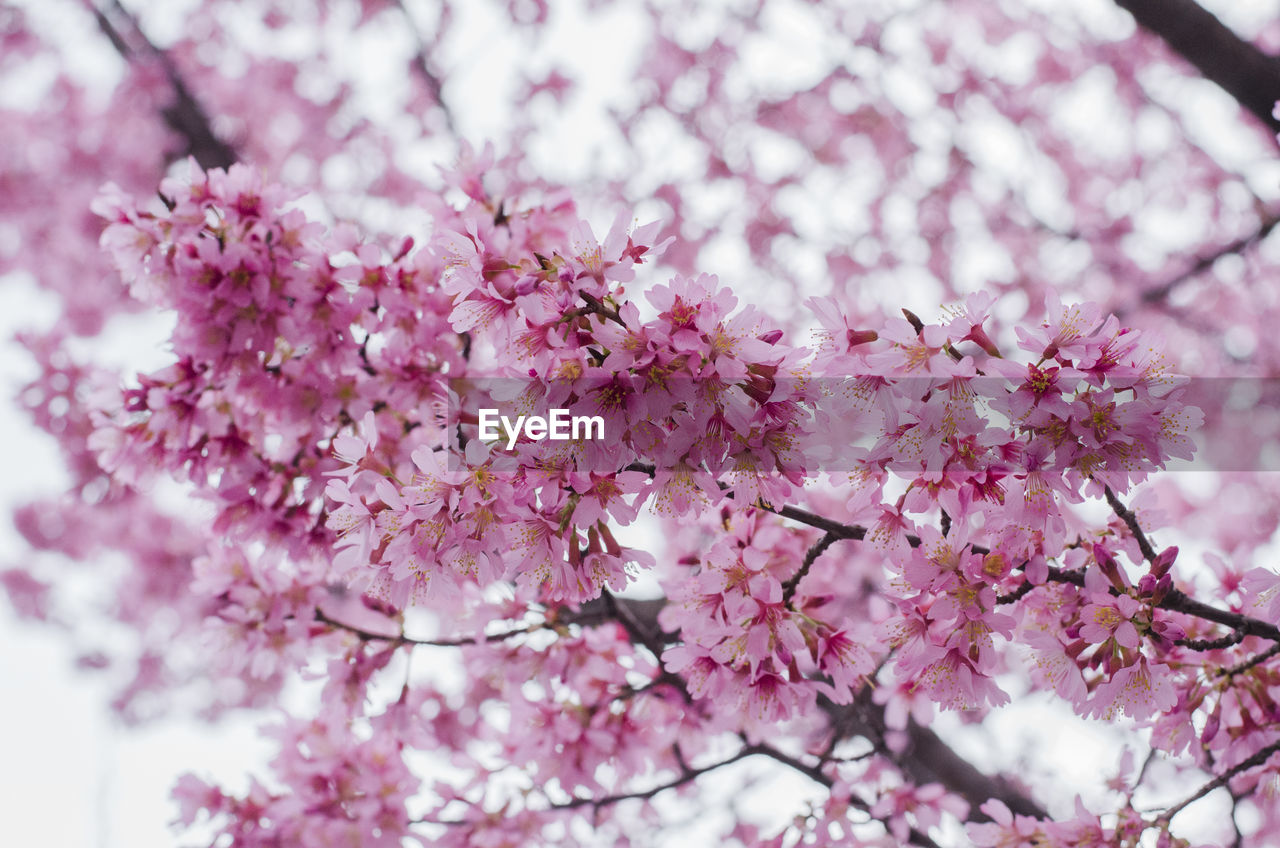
point(1233, 638)
point(423, 67)
point(1142, 772)
point(400, 638)
point(818, 548)
point(816, 774)
point(1131, 521)
point(1204, 263)
point(1258, 758)
point(1017, 594)
point(1255, 660)
point(686, 775)
point(594, 305)
point(185, 116)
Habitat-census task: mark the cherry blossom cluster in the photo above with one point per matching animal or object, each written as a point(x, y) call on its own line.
point(812, 525)
point(711, 413)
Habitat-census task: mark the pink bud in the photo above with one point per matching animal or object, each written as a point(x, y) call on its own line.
point(1211, 727)
point(405, 247)
point(1163, 587)
point(914, 320)
point(857, 337)
point(1162, 563)
point(979, 337)
point(526, 285)
point(1110, 568)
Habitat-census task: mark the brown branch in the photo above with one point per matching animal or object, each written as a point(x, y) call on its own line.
point(1205, 262)
point(423, 67)
point(811, 556)
point(834, 528)
point(815, 773)
point(1258, 659)
point(927, 757)
point(1258, 758)
point(402, 639)
point(1131, 521)
point(1017, 594)
point(595, 306)
point(686, 775)
point(185, 116)
point(1179, 601)
point(1235, 637)
point(1222, 57)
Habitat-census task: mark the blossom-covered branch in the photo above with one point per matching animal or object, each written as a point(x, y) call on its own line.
point(872, 421)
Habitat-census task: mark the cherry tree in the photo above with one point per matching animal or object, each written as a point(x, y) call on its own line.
point(897, 317)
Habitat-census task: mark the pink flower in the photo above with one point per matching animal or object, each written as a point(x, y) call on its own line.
point(1110, 620)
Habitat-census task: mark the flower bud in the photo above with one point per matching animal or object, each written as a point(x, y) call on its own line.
point(1162, 563)
point(1146, 585)
point(1211, 726)
point(1163, 587)
point(857, 337)
point(1110, 568)
point(979, 337)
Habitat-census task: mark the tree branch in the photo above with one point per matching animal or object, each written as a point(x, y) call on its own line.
point(400, 638)
point(815, 773)
point(1131, 521)
point(595, 306)
point(927, 758)
point(811, 556)
point(1258, 758)
point(686, 775)
point(1222, 57)
point(185, 116)
point(1205, 262)
point(1235, 637)
point(1256, 660)
point(423, 67)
